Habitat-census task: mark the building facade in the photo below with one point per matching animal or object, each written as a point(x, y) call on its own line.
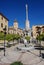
point(36, 28)
point(15, 30)
point(3, 23)
point(15, 24)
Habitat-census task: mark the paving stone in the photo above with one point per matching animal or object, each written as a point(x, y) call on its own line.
point(27, 58)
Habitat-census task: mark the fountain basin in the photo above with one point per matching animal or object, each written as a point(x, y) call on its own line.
point(27, 48)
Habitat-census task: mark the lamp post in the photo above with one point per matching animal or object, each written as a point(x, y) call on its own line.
point(32, 37)
point(39, 31)
point(40, 41)
point(13, 35)
point(4, 39)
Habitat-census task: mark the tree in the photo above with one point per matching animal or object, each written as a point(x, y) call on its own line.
point(16, 36)
point(9, 37)
point(40, 37)
point(1, 36)
point(27, 38)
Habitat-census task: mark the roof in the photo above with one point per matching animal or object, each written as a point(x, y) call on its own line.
point(4, 16)
point(10, 28)
point(20, 28)
point(38, 25)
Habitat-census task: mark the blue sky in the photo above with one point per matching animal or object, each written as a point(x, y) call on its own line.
point(15, 9)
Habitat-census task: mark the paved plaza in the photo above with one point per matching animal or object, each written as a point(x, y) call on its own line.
point(27, 58)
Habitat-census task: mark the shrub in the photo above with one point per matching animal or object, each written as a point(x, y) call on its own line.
point(17, 63)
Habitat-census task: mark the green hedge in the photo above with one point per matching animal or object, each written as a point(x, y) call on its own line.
point(16, 63)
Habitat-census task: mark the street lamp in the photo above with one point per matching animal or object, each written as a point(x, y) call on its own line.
point(39, 31)
point(13, 35)
point(4, 39)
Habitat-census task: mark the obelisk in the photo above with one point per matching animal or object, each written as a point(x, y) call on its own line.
point(27, 27)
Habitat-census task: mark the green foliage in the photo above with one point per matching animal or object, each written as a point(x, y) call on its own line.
point(43, 37)
point(9, 37)
point(16, 36)
point(17, 63)
point(40, 37)
point(27, 38)
point(1, 36)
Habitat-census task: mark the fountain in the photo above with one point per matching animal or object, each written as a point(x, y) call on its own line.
point(25, 47)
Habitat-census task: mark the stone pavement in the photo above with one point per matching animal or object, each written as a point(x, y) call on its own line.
point(27, 58)
point(4, 64)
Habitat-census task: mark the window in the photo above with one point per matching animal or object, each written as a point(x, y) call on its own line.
point(5, 20)
point(2, 25)
point(2, 17)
